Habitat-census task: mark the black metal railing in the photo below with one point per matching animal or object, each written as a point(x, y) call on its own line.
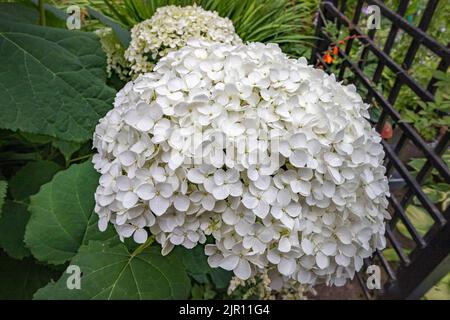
point(429, 260)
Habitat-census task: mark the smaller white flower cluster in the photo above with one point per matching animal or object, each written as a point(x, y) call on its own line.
point(115, 54)
point(169, 29)
point(290, 178)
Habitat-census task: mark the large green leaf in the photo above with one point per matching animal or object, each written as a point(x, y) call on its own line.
point(12, 229)
point(63, 217)
point(67, 148)
point(16, 12)
point(420, 219)
point(52, 81)
point(21, 279)
point(114, 273)
point(30, 177)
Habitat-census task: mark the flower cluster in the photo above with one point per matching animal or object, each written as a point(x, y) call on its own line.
point(114, 51)
point(270, 157)
point(169, 29)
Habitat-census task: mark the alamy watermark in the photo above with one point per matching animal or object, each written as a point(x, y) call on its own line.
point(73, 281)
point(374, 279)
point(374, 17)
point(73, 21)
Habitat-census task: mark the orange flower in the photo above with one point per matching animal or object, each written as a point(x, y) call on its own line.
point(328, 58)
point(336, 51)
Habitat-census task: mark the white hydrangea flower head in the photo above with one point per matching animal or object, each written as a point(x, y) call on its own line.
point(271, 158)
point(169, 29)
point(114, 51)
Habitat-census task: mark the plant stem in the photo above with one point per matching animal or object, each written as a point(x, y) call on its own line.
point(41, 12)
point(80, 158)
point(142, 247)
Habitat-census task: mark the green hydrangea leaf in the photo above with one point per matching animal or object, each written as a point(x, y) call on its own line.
point(17, 12)
point(67, 148)
point(21, 279)
point(63, 217)
point(52, 81)
point(114, 273)
point(31, 177)
point(12, 229)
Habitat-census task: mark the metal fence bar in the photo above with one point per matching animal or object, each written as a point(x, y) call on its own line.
point(430, 265)
point(398, 70)
point(415, 32)
point(412, 134)
point(400, 212)
point(348, 46)
point(401, 10)
point(407, 62)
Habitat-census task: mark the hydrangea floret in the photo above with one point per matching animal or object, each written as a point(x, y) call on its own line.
point(169, 29)
point(114, 51)
point(273, 159)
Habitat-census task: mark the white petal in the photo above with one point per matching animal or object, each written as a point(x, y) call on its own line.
point(105, 199)
point(298, 141)
point(328, 188)
point(145, 191)
point(285, 149)
point(103, 223)
point(229, 263)
point(307, 246)
point(208, 202)
point(243, 270)
point(342, 260)
point(159, 205)
point(322, 260)
point(127, 158)
point(302, 187)
point(195, 176)
point(273, 257)
point(284, 197)
point(123, 183)
point(284, 245)
point(294, 209)
point(298, 158)
point(145, 124)
point(214, 260)
point(126, 230)
point(140, 236)
point(192, 80)
point(176, 160)
point(262, 209)
point(287, 266)
point(230, 217)
point(130, 199)
point(221, 192)
point(242, 228)
point(344, 235)
point(181, 203)
point(165, 189)
point(263, 182)
point(249, 201)
point(329, 248)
